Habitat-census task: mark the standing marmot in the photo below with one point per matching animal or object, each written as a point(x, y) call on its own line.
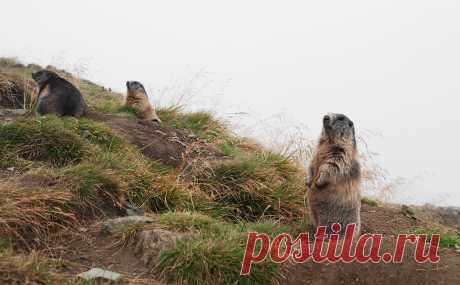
point(57, 95)
point(138, 100)
point(334, 176)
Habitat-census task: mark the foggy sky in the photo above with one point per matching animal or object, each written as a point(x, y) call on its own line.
point(392, 66)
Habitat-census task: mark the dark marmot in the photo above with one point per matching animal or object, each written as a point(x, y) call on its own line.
point(334, 176)
point(58, 96)
point(138, 100)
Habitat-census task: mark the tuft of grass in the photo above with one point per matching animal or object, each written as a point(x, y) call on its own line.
point(88, 182)
point(214, 256)
point(58, 141)
point(10, 62)
point(369, 201)
point(28, 270)
point(447, 239)
point(189, 221)
point(41, 139)
point(94, 133)
point(254, 186)
point(203, 124)
point(28, 215)
point(213, 261)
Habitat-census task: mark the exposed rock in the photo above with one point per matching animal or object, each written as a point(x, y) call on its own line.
point(408, 211)
point(12, 112)
point(98, 274)
point(111, 226)
point(151, 243)
point(132, 210)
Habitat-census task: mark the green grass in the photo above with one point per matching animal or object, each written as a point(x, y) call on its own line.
point(214, 256)
point(41, 139)
point(53, 140)
point(369, 201)
point(203, 124)
point(447, 240)
point(254, 186)
point(87, 181)
point(100, 99)
point(94, 133)
point(28, 270)
point(213, 251)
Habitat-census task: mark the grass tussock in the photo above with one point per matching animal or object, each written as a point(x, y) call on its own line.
point(214, 255)
point(41, 139)
point(16, 91)
point(369, 201)
point(29, 269)
point(253, 186)
point(54, 140)
point(28, 216)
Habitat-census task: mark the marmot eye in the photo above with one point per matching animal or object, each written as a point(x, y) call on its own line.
point(350, 124)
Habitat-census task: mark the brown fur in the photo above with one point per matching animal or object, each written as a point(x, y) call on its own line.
point(334, 178)
point(144, 110)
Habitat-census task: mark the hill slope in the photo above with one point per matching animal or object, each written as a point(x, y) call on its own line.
point(169, 204)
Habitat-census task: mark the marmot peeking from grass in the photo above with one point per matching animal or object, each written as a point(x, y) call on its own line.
point(138, 100)
point(58, 96)
point(334, 176)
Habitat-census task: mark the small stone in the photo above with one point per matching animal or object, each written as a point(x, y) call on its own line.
point(132, 210)
point(14, 112)
point(160, 132)
point(111, 226)
point(408, 210)
point(100, 274)
point(10, 169)
point(151, 243)
point(86, 134)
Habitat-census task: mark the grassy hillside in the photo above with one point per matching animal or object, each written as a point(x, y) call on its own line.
point(70, 188)
point(59, 174)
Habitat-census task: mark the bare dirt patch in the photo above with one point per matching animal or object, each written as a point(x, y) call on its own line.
point(155, 142)
point(389, 221)
point(91, 247)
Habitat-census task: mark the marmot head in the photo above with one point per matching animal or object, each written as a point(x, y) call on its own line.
point(135, 88)
point(43, 76)
point(338, 128)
